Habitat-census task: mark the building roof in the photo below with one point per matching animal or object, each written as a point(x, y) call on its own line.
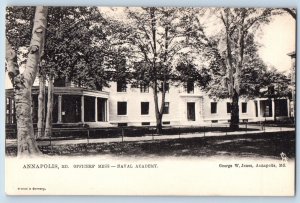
point(67, 91)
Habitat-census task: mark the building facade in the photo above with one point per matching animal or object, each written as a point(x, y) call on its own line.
point(127, 105)
point(187, 105)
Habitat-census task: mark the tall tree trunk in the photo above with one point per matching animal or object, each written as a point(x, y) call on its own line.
point(236, 71)
point(159, 111)
point(235, 117)
point(159, 124)
point(234, 123)
point(23, 82)
point(26, 140)
point(158, 114)
point(48, 129)
point(41, 107)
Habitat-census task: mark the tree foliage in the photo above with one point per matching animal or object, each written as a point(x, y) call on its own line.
point(79, 44)
point(158, 41)
point(233, 54)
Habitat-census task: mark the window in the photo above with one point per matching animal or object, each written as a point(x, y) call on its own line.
point(244, 107)
point(145, 123)
point(281, 107)
point(144, 88)
point(121, 86)
point(166, 122)
point(228, 107)
point(122, 108)
point(167, 87)
point(8, 105)
point(213, 107)
point(166, 108)
point(144, 108)
point(189, 88)
point(8, 108)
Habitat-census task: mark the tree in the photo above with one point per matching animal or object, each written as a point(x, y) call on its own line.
point(229, 50)
point(41, 106)
point(80, 45)
point(19, 22)
point(293, 13)
point(84, 43)
point(237, 23)
point(187, 71)
point(71, 32)
point(158, 39)
point(24, 81)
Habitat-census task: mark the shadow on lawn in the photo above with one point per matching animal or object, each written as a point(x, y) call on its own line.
point(267, 145)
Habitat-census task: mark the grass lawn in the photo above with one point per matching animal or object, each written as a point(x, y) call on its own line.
point(267, 145)
point(132, 131)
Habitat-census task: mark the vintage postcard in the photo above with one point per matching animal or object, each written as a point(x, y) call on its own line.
point(150, 101)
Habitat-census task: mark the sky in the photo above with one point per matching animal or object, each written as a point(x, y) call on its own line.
point(277, 39)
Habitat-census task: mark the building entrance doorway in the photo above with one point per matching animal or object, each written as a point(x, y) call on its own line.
point(191, 111)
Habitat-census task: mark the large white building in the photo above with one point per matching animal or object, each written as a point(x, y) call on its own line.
point(127, 105)
point(186, 105)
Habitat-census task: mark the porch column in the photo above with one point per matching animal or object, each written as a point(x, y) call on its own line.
point(10, 106)
point(294, 101)
point(96, 109)
point(288, 107)
point(106, 110)
point(82, 109)
point(59, 109)
point(258, 109)
point(273, 108)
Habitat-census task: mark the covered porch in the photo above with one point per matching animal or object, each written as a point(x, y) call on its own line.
point(78, 105)
point(272, 109)
point(71, 105)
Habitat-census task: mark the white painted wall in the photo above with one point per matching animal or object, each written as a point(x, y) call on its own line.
point(177, 98)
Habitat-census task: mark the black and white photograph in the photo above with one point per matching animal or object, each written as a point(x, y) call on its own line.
point(150, 101)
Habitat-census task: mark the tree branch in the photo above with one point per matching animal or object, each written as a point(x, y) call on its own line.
point(11, 61)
